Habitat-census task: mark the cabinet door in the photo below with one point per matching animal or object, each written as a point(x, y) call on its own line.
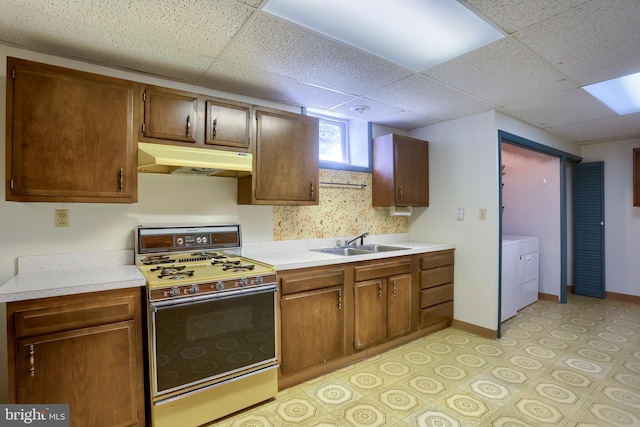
point(369, 313)
point(228, 124)
point(286, 158)
point(71, 135)
point(399, 311)
point(411, 171)
point(92, 369)
point(312, 328)
point(169, 115)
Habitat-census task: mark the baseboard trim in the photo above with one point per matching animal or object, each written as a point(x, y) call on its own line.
point(474, 329)
point(548, 297)
point(623, 297)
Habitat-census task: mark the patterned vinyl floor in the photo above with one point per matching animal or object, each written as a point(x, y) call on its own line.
point(575, 364)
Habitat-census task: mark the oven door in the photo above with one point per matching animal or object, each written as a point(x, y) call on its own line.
point(212, 338)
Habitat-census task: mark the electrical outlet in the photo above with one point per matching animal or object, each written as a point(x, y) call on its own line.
point(460, 214)
point(62, 218)
point(483, 214)
point(286, 215)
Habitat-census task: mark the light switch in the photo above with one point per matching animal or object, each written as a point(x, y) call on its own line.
point(483, 214)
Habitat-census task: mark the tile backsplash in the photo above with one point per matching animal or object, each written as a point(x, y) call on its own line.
point(342, 211)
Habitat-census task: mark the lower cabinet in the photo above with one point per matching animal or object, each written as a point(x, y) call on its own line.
point(382, 302)
point(312, 317)
point(336, 315)
point(436, 288)
point(83, 350)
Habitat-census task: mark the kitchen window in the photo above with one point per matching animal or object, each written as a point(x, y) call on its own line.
point(344, 144)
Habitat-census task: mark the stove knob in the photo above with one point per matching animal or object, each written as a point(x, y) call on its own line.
point(259, 280)
point(244, 282)
point(174, 292)
point(220, 285)
point(193, 289)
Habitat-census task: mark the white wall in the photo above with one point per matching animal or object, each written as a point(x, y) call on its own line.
point(531, 200)
point(463, 173)
point(622, 219)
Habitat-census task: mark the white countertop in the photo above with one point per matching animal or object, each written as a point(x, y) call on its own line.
point(303, 257)
point(67, 274)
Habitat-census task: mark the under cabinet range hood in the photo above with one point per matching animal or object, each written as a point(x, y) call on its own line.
point(179, 160)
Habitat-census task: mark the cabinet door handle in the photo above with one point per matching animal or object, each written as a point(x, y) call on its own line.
point(188, 125)
point(214, 128)
point(339, 300)
point(121, 180)
point(313, 192)
point(400, 193)
point(380, 291)
point(394, 290)
point(32, 361)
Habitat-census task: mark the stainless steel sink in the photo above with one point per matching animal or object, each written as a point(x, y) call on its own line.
point(380, 248)
point(342, 251)
point(358, 250)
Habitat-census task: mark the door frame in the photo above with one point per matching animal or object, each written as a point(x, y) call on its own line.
point(565, 158)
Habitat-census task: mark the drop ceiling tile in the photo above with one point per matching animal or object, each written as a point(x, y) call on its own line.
point(598, 129)
point(203, 27)
point(377, 110)
point(423, 95)
point(597, 41)
point(70, 39)
point(563, 108)
point(252, 82)
point(408, 120)
point(283, 48)
point(503, 72)
point(514, 15)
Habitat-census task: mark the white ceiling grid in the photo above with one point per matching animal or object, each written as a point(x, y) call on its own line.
point(534, 74)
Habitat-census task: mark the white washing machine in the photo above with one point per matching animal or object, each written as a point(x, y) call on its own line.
point(520, 266)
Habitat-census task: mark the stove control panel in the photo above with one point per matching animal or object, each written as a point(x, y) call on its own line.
point(220, 286)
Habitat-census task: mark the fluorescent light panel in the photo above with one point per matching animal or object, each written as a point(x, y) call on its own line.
point(416, 34)
point(622, 95)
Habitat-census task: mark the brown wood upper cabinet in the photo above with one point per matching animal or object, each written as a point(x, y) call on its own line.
point(184, 118)
point(285, 160)
point(636, 177)
point(169, 115)
point(70, 135)
point(228, 124)
point(400, 171)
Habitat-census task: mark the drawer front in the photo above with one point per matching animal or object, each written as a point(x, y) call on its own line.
point(436, 277)
point(436, 295)
point(309, 280)
point(78, 313)
point(440, 259)
point(376, 271)
point(436, 314)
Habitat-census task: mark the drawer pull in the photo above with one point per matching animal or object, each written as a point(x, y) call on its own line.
point(32, 361)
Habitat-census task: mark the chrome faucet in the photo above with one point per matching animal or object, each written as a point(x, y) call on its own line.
point(361, 237)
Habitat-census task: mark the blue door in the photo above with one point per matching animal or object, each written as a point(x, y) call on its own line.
point(589, 278)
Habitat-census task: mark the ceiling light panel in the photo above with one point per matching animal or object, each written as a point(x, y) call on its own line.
point(416, 34)
point(622, 94)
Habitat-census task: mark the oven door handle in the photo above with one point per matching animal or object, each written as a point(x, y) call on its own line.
point(211, 297)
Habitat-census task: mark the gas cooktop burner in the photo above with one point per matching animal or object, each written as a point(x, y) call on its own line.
point(238, 268)
point(172, 273)
point(157, 259)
